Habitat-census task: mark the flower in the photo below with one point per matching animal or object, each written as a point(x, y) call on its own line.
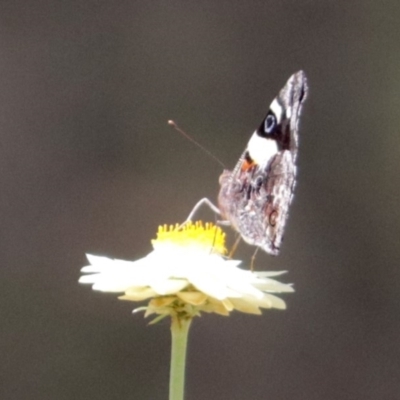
point(187, 273)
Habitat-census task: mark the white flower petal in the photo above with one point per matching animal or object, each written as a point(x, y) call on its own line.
point(209, 285)
point(138, 294)
point(244, 305)
point(202, 281)
point(267, 274)
point(275, 287)
point(269, 301)
point(169, 286)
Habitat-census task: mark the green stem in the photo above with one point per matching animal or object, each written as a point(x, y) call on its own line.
point(179, 333)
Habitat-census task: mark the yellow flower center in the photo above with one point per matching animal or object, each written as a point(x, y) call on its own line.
point(192, 234)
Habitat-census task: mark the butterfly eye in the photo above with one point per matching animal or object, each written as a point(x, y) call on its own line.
point(270, 123)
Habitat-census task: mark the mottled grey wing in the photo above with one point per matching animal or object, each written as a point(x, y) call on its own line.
point(255, 197)
point(259, 201)
point(272, 201)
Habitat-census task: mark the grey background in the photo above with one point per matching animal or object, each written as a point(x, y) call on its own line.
point(88, 164)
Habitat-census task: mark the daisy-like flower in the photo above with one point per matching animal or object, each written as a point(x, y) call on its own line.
point(187, 273)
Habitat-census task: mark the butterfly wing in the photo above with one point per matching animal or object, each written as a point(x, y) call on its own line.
point(255, 196)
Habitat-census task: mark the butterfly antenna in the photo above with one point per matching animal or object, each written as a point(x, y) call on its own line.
point(183, 133)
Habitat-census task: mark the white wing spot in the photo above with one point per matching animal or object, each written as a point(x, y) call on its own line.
point(261, 149)
point(277, 110)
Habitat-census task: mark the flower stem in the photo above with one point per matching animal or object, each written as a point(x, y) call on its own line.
point(179, 335)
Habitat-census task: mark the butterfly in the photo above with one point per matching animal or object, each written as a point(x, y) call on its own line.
point(254, 197)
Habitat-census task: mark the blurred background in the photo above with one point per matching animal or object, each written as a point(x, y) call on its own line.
point(89, 164)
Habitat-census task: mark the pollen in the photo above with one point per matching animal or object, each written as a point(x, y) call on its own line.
point(205, 236)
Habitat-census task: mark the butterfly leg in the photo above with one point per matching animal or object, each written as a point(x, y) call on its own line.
point(253, 259)
point(198, 205)
point(234, 247)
